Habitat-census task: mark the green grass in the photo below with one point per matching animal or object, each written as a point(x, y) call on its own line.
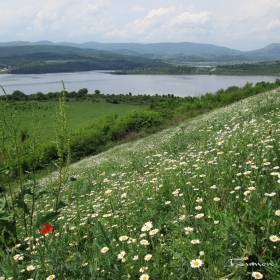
point(80, 113)
point(213, 181)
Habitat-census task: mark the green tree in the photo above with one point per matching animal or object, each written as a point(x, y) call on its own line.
point(82, 92)
point(40, 96)
point(72, 94)
point(18, 95)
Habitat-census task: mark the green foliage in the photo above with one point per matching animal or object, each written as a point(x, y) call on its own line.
point(261, 68)
point(134, 121)
point(82, 92)
point(7, 225)
point(18, 95)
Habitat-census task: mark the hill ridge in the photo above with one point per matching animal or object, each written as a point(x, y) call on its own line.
point(171, 49)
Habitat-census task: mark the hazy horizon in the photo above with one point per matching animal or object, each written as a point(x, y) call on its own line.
point(237, 24)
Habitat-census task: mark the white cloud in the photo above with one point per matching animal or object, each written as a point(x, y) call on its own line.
point(163, 24)
point(275, 24)
point(92, 28)
point(138, 9)
point(160, 12)
point(44, 20)
point(95, 8)
point(142, 26)
point(194, 19)
point(230, 23)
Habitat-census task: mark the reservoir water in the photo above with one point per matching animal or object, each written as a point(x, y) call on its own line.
point(179, 85)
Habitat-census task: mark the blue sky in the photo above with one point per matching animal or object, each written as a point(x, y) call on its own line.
point(237, 24)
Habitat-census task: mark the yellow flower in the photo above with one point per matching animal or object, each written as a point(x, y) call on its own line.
point(51, 277)
point(198, 216)
point(121, 255)
point(144, 242)
point(104, 250)
point(144, 277)
point(147, 226)
point(257, 275)
point(30, 268)
point(17, 257)
point(148, 257)
point(123, 238)
point(196, 263)
point(274, 238)
point(153, 231)
point(188, 229)
point(142, 269)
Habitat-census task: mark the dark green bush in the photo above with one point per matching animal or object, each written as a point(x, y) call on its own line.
point(136, 120)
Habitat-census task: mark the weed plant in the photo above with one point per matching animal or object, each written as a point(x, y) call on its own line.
point(196, 201)
point(14, 209)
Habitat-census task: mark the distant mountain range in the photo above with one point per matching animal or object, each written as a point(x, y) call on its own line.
point(174, 53)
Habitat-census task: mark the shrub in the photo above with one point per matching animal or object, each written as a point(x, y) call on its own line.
point(134, 121)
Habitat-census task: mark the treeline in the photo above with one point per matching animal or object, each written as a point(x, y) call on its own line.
point(99, 136)
point(261, 68)
point(83, 95)
point(172, 70)
point(18, 95)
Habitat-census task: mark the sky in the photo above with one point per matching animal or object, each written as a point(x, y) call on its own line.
point(238, 24)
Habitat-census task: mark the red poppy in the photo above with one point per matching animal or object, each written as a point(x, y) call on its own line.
point(45, 228)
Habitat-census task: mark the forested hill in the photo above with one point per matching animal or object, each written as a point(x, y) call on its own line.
point(37, 59)
point(177, 53)
point(270, 68)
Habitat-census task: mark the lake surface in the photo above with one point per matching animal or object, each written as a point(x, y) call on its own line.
point(179, 85)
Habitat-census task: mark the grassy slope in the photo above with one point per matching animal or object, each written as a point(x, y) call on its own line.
point(229, 158)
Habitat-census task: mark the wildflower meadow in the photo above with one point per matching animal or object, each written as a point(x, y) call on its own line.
point(196, 201)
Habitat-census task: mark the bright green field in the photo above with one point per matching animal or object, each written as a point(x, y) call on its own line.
point(80, 113)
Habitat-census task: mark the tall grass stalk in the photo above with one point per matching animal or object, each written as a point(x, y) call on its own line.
point(62, 141)
point(33, 142)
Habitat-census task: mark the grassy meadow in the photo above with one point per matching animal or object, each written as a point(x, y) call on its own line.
point(199, 201)
point(79, 113)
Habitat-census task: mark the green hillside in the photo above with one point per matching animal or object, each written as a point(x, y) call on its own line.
point(38, 59)
point(198, 201)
